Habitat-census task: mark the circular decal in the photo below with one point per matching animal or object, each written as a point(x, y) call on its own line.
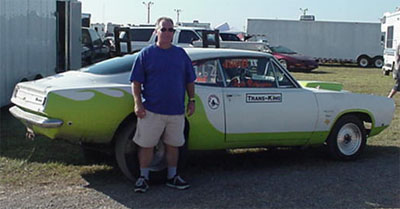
point(213, 102)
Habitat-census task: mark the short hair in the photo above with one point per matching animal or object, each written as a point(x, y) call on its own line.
point(161, 19)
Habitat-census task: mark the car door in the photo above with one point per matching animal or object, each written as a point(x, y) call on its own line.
point(263, 103)
point(207, 125)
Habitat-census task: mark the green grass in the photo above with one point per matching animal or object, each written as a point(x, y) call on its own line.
point(44, 161)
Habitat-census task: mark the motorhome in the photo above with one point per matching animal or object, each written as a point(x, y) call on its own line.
point(390, 26)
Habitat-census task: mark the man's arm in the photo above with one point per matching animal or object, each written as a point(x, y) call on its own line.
point(137, 97)
point(191, 104)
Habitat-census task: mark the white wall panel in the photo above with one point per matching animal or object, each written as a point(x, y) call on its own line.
point(28, 42)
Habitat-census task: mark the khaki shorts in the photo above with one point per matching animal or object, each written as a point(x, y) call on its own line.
point(153, 127)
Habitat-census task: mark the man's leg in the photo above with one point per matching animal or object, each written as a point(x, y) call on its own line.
point(172, 154)
point(145, 157)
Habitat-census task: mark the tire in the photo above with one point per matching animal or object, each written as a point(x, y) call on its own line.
point(127, 157)
point(363, 61)
point(283, 63)
point(378, 62)
point(347, 139)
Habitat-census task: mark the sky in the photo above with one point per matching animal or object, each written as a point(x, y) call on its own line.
point(236, 12)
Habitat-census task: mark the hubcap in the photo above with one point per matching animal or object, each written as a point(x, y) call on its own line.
point(378, 63)
point(363, 62)
point(349, 139)
point(157, 164)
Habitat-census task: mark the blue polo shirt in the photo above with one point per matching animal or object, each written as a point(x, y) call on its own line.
point(164, 74)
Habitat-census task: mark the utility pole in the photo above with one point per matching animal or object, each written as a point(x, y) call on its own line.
point(148, 5)
point(304, 11)
point(178, 11)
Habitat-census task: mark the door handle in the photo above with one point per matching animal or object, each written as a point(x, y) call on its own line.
point(233, 95)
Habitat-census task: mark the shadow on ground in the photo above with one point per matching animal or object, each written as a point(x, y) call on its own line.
point(270, 179)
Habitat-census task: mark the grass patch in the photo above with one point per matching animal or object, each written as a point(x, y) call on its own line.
point(44, 161)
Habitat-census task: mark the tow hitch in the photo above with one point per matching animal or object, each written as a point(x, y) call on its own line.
point(30, 134)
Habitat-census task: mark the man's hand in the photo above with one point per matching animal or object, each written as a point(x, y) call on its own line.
point(140, 111)
point(190, 108)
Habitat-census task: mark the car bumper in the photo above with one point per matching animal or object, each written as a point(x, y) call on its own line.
point(31, 119)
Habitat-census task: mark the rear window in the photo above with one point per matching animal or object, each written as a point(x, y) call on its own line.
point(112, 66)
point(141, 34)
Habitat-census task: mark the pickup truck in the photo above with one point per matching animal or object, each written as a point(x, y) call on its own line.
point(141, 37)
point(93, 48)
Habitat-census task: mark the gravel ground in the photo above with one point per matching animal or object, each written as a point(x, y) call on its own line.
point(267, 179)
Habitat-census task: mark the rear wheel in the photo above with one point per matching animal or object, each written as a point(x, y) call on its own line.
point(378, 62)
point(127, 156)
point(347, 139)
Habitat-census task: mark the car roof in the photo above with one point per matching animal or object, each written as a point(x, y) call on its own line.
point(207, 53)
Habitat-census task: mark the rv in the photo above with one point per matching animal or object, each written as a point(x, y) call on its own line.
point(390, 26)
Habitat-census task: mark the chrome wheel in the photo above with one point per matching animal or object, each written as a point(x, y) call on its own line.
point(349, 139)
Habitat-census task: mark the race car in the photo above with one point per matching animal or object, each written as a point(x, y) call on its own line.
point(243, 99)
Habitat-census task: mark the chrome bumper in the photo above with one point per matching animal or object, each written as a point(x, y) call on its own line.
point(32, 119)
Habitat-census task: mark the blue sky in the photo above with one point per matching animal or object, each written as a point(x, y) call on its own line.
point(236, 12)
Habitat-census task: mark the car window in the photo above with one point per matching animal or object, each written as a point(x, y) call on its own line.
point(229, 37)
point(248, 72)
point(96, 38)
point(208, 73)
point(282, 49)
point(112, 66)
point(187, 36)
point(141, 34)
point(281, 77)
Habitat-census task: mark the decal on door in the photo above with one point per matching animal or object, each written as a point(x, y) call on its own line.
point(263, 97)
point(213, 102)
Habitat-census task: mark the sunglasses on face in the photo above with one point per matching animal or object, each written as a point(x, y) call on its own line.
point(167, 29)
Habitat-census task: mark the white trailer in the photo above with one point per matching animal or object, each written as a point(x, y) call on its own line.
point(33, 44)
point(341, 42)
point(390, 26)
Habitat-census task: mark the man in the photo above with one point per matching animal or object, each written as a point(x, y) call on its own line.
point(396, 73)
point(160, 75)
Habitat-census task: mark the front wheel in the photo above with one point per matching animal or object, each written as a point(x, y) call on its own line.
point(363, 62)
point(347, 138)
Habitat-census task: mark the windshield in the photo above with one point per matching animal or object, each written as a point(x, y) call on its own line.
point(282, 49)
point(112, 66)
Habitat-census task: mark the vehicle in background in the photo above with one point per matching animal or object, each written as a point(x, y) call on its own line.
point(292, 60)
point(143, 36)
point(326, 41)
point(93, 48)
point(390, 26)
